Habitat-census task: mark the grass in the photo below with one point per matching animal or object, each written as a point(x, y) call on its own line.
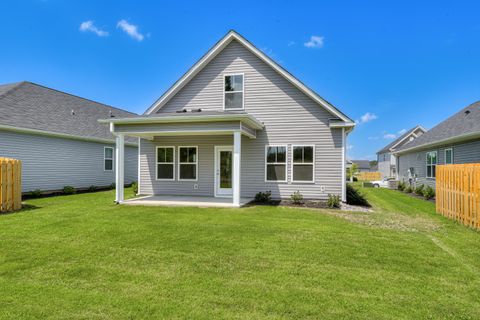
point(81, 257)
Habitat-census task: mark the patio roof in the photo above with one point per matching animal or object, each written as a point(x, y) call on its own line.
point(191, 117)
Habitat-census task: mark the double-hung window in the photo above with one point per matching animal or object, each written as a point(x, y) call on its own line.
point(233, 92)
point(431, 164)
point(165, 163)
point(276, 163)
point(303, 163)
point(188, 163)
point(108, 158)
point(449, 156)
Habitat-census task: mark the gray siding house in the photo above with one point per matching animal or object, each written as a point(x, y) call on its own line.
point(235, 124)
point(387, 162)
point(453, 141)
point(59, 140)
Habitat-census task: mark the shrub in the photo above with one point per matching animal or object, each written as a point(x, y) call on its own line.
point(354, 197)
point(296, 197)
point(69, 190)
point(408, 189)
point(92, 188)
point(355, 178)
point(333, 201)
point(401, 186)
point(135, 187)
point(428, 193)
point(37, 193)
point(263, 197)
point(112, 186)
point(419, 190)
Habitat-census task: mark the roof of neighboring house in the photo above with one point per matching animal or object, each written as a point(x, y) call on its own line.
point(390, 146)
point(362, 164)
point(463, 125)
point(34, 107)
point(216, 49)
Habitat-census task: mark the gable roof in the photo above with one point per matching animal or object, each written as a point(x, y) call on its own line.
point(29, 107)
point(216, 49)
point(362, 164)
point(389, 147)
point(462, 126)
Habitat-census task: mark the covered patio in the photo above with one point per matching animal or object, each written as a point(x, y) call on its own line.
point(179, 125)
point(186, 201)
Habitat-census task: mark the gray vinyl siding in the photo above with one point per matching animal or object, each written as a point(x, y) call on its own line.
point(205, 180)
point(50, 163)
point(468, 152)
point(252, 169)
point(290, 117)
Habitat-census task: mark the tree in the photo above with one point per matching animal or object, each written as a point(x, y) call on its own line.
point(352, 171)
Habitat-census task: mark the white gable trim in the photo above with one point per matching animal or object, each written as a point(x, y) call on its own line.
point(215, 50)
point(412, 132)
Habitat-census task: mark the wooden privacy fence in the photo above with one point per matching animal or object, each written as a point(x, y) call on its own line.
point(10, 184)
point(458, 193)
point(369, 176)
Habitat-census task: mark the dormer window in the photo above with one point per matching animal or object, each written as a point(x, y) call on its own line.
point(233, 91)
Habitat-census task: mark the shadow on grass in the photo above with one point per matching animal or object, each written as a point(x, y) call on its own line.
point(25, 208)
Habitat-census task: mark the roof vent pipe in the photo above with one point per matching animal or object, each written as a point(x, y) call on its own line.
point(72, 112)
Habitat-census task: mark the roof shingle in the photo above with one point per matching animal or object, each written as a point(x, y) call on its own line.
point(31, 106)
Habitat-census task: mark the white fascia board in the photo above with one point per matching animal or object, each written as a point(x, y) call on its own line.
point(457, 139)
point(216, 49)
point(245, 118)
point(60, 135)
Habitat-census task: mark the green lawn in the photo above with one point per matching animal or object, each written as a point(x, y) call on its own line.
point(82, 257)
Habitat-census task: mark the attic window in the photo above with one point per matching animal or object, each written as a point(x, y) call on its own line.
point(233, 91)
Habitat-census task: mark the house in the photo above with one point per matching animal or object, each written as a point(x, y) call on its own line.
point(58, 138)
point(387, 165)
point(235, 124)
point(455, 140)
point(362, 165)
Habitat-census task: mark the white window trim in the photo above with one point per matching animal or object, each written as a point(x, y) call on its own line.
point(292, 164)
point(445, 155)
point(243, 91)
point(105, 158)
point(276, 163)
point(426, 164)
point(195, 163)
point(157, 163)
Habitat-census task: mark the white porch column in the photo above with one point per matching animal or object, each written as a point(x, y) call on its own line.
point(119, 168)
point(237, 151)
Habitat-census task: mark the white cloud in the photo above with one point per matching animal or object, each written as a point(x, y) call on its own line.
point(367, 117)
point(130, 29)
point(402, 131)
point(389, 136)
point(372, 138)
point(89, 26)
point(349, 147)
point(291, 43)
point(315, 42)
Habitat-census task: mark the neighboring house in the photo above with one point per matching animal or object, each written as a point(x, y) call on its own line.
point(362, 165)
point(58, 138)
point(236, 124)
point(455, 140)
point(387, 164)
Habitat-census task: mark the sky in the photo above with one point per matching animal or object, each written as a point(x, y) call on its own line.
point(389, 65)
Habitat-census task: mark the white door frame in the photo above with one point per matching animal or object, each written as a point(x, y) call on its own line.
point(216, 173)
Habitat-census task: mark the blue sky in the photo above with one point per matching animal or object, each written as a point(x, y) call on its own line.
point(393, 64)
